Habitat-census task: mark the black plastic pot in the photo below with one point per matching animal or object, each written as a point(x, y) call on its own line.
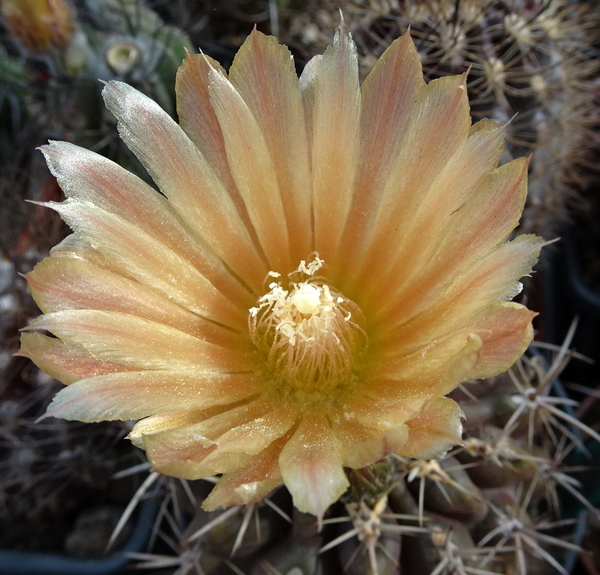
point(23, 563)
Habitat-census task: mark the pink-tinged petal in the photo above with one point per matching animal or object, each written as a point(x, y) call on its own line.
point(139, 255)
point(489, 216)
point(435, 132)
point(253, 170)
point(79, 247)
point(483, 223)
point(389, 95)
point(59, 283)
point(264, 75)
point(311, 465)
point(373, 450)
point(197, 117)
point(256, 480)
point(186, 179)
point(133, 395)
point(437, 429)
point(67, 363)
point(141, 343)
point(90, 177)
point(506, 331)
point(492, 279)
point(457, 182)
point(331, 95)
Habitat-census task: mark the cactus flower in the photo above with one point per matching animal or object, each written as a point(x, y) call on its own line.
point(40, 25)
point(323, 262)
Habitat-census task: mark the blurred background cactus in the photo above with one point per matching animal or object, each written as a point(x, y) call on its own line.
point(517, 498)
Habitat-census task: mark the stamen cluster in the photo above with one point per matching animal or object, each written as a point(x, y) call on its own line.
point(310, 332)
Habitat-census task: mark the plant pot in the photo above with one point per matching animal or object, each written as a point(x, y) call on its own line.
point(30, 563)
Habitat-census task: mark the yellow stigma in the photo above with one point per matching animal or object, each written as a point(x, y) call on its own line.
point(311, 334)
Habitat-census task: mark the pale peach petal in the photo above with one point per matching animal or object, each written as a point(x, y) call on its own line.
point(186, 179)
point(436, 430)
point(456, 183)
point(311, 465)
point(59, 284)
point(264, 75)
point(256, 480)
point(331, 98)
point(195, 446)
point(87, 176)
point(383, 413)
point(396, 393)
point(168, 420)
point(67, 363)
point(197, 468)
point(370, 451)
point(431, 138)
point(254, 436)
point(133, 395)
point(253, 170)
point(197, 116)
point(449, 358)
point(139, 255)
point(489, 216)
point(506, 331)
point(484, 222)
point(141, 343)
point(80, 248)
point(492, 279)
point(389, 95)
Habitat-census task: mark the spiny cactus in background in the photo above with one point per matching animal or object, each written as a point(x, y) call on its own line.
point(532, 64)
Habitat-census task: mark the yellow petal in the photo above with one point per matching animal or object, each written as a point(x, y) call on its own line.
point(256, 480)
point(491, 279)
point(197, 116)
point(430, 140)
point(194, 446)
point(374, 449)
point(389, 95)
point(506, 332)
point(456, 183)
point(482, 224)
point(87, 176)
point(254, 436)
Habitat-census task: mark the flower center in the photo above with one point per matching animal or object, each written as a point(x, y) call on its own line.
point(310, 333)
